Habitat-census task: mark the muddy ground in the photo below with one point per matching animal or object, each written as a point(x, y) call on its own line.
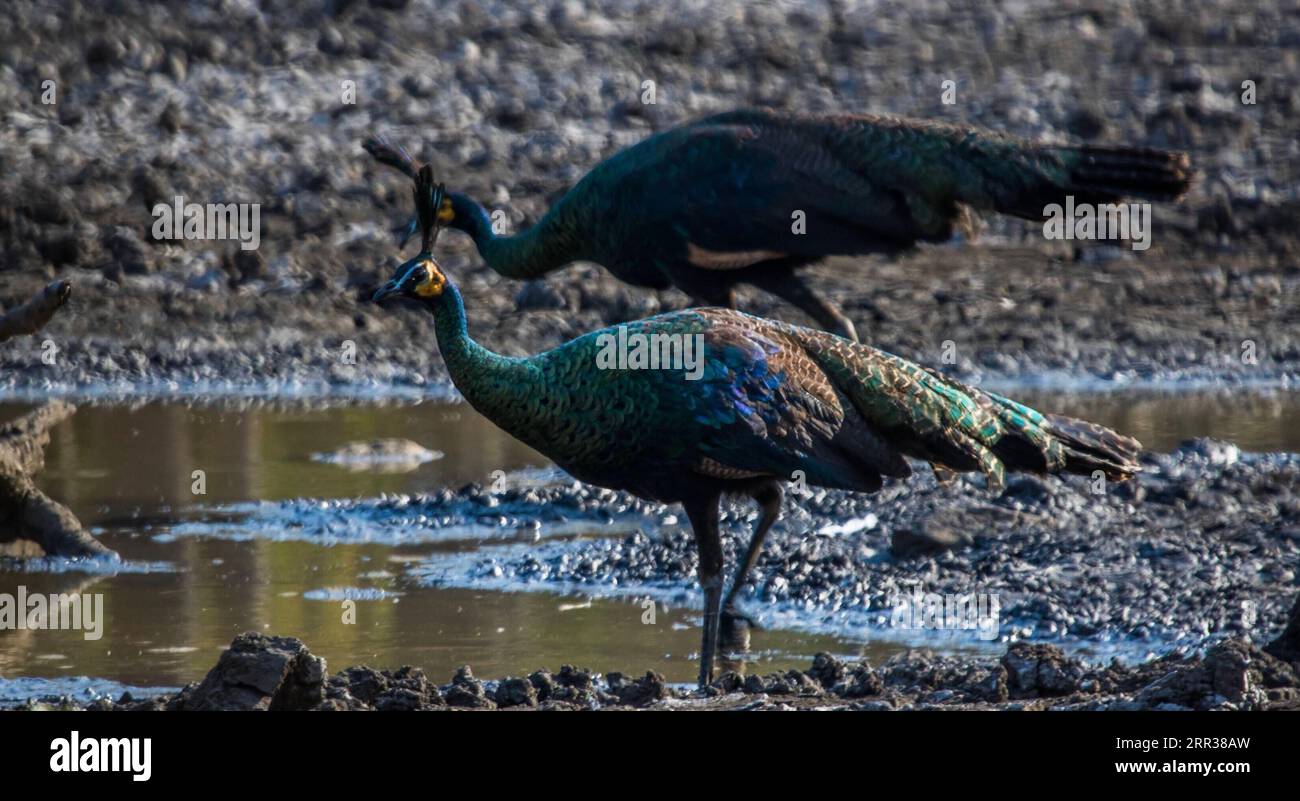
point(513, 102)
point(260, 672)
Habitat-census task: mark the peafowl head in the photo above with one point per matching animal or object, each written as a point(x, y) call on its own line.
point(421, 277)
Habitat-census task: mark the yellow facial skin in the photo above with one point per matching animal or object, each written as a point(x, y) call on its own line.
point(434, 284)
point(445, 212)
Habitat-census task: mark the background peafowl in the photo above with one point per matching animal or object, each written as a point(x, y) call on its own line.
point(770, 399)
point(717, 202)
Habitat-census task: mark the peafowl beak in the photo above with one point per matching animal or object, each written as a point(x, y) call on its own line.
point(390, 288)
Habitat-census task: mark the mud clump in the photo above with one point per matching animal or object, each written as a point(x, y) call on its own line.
point(279, 673)
point(516, 692)
point(359, 688)
point(1040, 671)
point(638, 692)
point(259, 672)
point(1287, 644)
point(468, 692)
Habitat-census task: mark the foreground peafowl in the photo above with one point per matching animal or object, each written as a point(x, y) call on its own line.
point(748, 196)
point(764, 401)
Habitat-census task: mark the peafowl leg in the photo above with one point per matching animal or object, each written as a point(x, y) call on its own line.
point(733, 630)
point(790, 287)
point(703, 514)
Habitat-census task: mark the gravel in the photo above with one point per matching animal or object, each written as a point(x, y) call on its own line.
point(513, 103)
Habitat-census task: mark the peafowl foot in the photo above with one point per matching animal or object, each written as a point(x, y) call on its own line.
point(733, 630)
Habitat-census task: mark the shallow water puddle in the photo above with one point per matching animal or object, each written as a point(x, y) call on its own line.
point(166, 629)
point(203, 568)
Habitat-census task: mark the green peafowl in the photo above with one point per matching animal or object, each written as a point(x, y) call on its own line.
point(768, 400)
point(748, 196)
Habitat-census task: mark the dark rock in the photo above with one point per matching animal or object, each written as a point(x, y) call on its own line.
point(460, 696)
point(399, 699)
point(826, 670)
point(332, 42)
point(860, 682)
point(247, 265)
point(47, 206)
point(62, 247)
point(544, 683)
point(1287, 644)
point(467, 691)
point(127, 251)
point(406, 689)
point(170, 118)
point(71, 114)
point(259, 672)
point(364, 683)
point(990, 686)
point(640, 692)
point(539, 295)
point(419, 85)
point(1036, 670)
point(792, 682)
point(730, 682)
point(926, 539)
point(1218, 218)
point(1028, 489)
point(148, 184)
point(1233, 675)
point(570, 676)
point(515, 692)
point(1214, 451)
point(105, 51)
point(1086, 123)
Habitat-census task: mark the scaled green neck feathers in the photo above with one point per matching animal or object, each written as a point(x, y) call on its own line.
point(493, 384)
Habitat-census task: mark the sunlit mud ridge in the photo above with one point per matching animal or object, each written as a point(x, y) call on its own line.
point(1200, 326)
point(261, 672)
point(471, 513)
point(65, 691)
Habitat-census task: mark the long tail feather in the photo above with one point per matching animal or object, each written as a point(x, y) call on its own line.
point(389, 153)
point(1112, 172)
point(1090, 447)
point(1090, 174)
point(932, 416)
point(1053, 443)
point(928, 415)
point(428, 199)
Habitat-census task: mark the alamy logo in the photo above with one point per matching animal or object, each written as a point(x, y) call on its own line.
point(103, 755)
point(54, 611)
point(960, 612)
point(638, 351)
point(181, 220)
point(1131, 221)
